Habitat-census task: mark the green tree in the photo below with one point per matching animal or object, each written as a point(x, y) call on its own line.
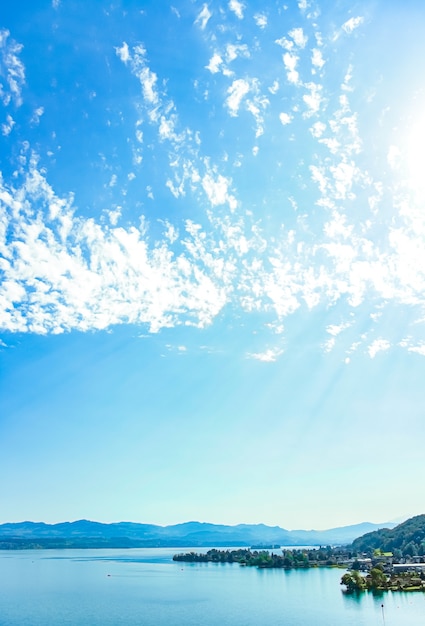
point(353, 581)
point(410, 549)
point(378, 578)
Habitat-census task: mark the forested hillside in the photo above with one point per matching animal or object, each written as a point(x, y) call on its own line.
point(406, 539)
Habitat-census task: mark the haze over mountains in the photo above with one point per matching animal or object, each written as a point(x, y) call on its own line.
point(84, 533)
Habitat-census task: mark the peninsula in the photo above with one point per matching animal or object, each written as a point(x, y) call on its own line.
point(388, 559)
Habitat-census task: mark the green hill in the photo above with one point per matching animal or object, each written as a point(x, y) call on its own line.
point(406, 539)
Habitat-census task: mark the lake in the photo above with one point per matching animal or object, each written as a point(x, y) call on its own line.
point(144, 587)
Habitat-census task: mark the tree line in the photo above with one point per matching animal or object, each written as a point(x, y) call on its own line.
point(263, 558)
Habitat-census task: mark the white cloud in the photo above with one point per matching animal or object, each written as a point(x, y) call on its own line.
point(379, 345)
point(67, 272)
point(177, 191)
point(290, 61)
point(171, 233)
point(317, 58)
point(299, 37)
point(217, 190)
point(256, 107)
point(256, 104)
point(237, 91)
point(418, 349)
point(285, 118)
point(139, 135)
point(337, 228)
point(268, 356)
point(61, 271)
point(318, 176)
point(114, 216)
point(203, 17)
point(350, 25)
point(237, 8)
point(166, 128)
point(140, 68)
point(318, 129)
point(260, 19)
point(313, 99)
point(148, 80)
point(329, 344)
point(331, 143)
point(285, 43)
point(215, 63)
point(336, 329)
point(123, 53)
point(343, 176)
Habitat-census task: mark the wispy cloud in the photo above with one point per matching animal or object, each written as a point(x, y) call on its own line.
point(235, 50)
point(7, 126)
point(336, 244)
point(203, 17)
point(35, 119)
point(268, 356)
point(350, 25)
point(334, 330)
point(418, 349)
point(12, 75)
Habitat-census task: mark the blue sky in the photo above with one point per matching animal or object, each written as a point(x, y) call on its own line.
point(212, 237)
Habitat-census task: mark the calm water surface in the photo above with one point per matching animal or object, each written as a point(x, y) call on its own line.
point(144, 587)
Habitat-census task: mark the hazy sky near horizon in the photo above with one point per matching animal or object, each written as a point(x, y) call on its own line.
point(212, 261)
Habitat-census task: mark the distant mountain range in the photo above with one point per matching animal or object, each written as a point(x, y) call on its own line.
point(87, 534)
